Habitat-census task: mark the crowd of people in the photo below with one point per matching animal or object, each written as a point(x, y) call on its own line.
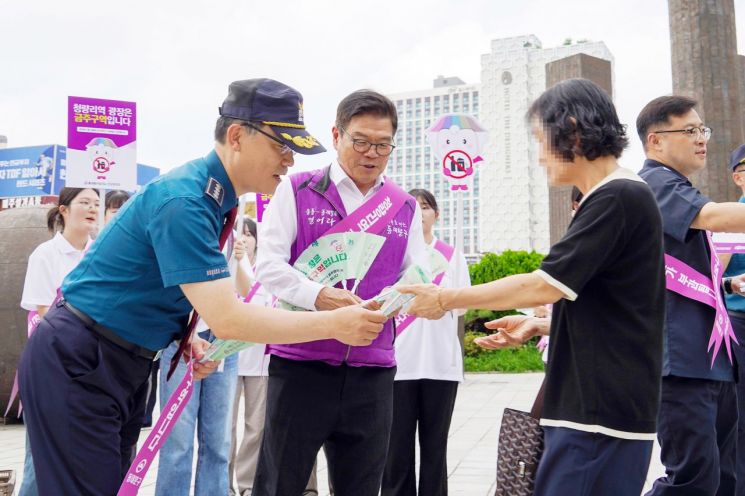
point(630, 356)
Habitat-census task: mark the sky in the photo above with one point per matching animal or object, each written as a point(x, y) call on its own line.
point(176, 59)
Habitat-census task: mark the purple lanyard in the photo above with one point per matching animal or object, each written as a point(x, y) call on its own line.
point(688, 282)
point(404, 320)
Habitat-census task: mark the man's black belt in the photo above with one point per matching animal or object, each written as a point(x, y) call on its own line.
point(109, 335)
point(736, 314)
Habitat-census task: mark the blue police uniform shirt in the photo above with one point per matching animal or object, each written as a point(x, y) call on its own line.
point(688, 323)
point(164, 236)
point(735, 268)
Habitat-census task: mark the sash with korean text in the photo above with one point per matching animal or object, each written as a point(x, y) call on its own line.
point(688, 282)
point(373, 215)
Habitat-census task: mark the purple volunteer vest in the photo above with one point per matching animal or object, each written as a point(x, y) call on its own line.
point(319, 207)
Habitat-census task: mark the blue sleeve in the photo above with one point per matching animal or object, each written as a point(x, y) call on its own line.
point(679, 203)
point(185, 238)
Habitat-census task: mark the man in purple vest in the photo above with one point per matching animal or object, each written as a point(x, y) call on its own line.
point(326, 393)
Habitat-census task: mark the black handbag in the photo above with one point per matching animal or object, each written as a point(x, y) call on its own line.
point(520, 449)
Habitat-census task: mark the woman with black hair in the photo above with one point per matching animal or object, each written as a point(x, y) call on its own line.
point(605, 278)
point(114, 201)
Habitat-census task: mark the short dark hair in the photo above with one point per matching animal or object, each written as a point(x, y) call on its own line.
point(425, 195)
point(659, 111)
point(365, 102)
point(580, 119)
point(115, 199)
point(223, 123)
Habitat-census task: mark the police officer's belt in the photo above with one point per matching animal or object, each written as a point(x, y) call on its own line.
point(109, 335)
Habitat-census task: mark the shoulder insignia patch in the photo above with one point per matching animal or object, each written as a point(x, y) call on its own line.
point(215, 190)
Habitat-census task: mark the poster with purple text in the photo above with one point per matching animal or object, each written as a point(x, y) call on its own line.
point(101, 144)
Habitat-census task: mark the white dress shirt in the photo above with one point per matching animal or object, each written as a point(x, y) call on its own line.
point(278, 230)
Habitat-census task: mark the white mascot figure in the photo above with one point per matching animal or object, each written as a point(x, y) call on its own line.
point(458, 141)
point(101, 155)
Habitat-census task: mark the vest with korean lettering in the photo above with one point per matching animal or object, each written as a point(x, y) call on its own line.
point(319, 207)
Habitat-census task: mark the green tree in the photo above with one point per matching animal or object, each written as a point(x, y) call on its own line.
point(493, 267)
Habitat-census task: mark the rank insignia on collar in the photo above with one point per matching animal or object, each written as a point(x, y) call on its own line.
point(215, 190)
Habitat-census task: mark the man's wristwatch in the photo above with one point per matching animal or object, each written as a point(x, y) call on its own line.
point(727, 285)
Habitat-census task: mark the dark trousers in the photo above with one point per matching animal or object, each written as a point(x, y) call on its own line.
point(428, 403)
point(581, 463)
point(310, 404)
point(697, 434)
point(738, 325)
point(83, 399)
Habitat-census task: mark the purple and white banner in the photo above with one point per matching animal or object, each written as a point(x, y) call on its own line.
point(101, 144)
point(729, 242)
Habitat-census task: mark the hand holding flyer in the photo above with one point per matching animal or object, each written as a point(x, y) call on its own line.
point(391, 301)
point(340, 257)
point(222, 348)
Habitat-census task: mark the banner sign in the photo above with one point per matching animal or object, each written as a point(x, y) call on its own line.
point(37, 171)
point(28, 170)
point(101, 144)
point(262, 202)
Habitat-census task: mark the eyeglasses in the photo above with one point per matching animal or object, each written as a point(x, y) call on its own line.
point(87, 204)
point(284, 150)
point(363, 146)
point(691, 132)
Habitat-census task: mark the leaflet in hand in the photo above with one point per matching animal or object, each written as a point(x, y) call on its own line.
point(222, 348)
point(325, 261)
point(391, 301)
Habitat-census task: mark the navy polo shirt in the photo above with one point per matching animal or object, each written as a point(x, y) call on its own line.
point(688, 323)
point(164, 236)
point(735, 268)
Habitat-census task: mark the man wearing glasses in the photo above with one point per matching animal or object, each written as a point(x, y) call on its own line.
point(84, 372)
point(326, 393)
point(698, 413)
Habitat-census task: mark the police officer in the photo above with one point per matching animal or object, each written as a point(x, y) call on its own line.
point(84, 372)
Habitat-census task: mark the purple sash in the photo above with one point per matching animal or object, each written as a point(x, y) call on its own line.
point(686, 281)
point(404, 320)
point(730, 247)
point(168, 417)
point(373, 215)
point(729, 243)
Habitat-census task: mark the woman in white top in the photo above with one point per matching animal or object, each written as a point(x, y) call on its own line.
point(429, 367)
point(72, 220)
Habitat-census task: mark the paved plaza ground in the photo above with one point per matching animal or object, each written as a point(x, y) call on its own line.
point(472, 448)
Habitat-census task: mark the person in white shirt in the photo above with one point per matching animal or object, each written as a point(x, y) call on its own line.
point(72, 220)
point(430, 366)
point(253, 372)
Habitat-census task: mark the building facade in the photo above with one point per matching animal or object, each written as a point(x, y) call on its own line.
point(514, 198)
point(413, 164)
